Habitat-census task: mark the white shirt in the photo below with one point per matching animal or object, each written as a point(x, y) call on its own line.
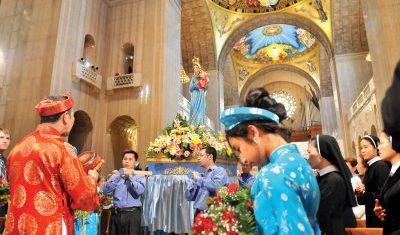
point(394, 168)
point(373, 160)
point(355, 181)
point(327, 170)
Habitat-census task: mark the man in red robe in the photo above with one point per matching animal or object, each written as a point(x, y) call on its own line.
point(47, 181)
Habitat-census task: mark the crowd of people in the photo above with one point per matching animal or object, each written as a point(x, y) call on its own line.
point(320, 193)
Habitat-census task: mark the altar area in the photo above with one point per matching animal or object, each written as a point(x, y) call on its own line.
point(171, 157)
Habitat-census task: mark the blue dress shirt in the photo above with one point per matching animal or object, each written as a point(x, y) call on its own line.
point(200, 189)
point(246, 180)
point(126, 191)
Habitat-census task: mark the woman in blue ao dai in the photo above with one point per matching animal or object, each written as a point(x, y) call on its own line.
point(285, 194)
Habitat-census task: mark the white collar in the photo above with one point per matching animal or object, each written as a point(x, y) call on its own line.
point(394, 168)
point(328, 169)
point(373, 160)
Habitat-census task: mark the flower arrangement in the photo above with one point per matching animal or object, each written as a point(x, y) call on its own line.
point(106, 201)
point(4, 192)
point(181, 140)
point(229, 212)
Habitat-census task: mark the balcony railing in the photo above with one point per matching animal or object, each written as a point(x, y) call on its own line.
point(362, 99)
point(81, 72)
point(125, 80)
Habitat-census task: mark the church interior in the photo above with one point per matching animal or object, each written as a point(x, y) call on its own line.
point(128, 64)
point(121, 60)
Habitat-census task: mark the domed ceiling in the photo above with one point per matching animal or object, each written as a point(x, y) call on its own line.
point(256, 6)
point(274, 43)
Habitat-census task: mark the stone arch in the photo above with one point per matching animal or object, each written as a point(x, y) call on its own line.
point(374, 131)
point(80, 135)
point(89, 45)
point(128, 56)
point(285, 67)
point(123, 131)
point(281, 18)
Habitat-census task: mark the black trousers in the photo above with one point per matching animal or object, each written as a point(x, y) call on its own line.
point(126, 221)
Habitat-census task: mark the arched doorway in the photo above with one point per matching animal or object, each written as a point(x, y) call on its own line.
point(123, 131)
point(128, 51)
point(373, 130)
point(81, 133)
point(89, 48)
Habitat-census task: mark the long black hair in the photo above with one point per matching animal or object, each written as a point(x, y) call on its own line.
point(260, 98)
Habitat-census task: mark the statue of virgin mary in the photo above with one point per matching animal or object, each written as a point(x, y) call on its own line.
point(198, 87)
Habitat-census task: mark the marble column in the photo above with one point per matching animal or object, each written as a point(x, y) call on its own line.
point(172, 88)
point(382, 23)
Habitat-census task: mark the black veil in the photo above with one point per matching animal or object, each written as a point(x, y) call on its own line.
point(329, 149)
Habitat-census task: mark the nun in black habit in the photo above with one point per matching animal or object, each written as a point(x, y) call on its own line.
point(337, 196)
point(387, 208)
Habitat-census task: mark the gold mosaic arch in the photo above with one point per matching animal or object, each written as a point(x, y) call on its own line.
point(279, 67)
point(309, 63)
point(226, 21)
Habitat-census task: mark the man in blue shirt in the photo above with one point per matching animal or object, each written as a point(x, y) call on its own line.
point(245, 178)
point(206, 184)
point(126, 188)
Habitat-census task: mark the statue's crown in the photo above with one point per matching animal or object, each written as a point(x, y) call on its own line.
point(195, 60)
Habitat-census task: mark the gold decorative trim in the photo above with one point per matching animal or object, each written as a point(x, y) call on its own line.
point(189, 160)
point(178, 171)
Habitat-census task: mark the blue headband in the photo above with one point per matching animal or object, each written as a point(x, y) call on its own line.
point(232, 117)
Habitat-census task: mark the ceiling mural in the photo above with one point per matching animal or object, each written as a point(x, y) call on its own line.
point(256, 6)
point(227, 16)
point(274, 43)
point(307, 60)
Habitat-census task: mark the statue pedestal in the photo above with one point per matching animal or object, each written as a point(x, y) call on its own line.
point(164, 207)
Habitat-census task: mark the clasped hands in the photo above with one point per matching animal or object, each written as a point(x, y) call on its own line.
point(126, 172)
point(379, 211)
point(94, 173)
point(360, 189)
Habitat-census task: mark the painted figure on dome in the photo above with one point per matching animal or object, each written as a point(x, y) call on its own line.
point(198, 87)
point(253, 3)
point(320, 9)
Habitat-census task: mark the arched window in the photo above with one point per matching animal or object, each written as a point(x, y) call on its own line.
point(287, 100)
point(123, 132)
point(128, 52)
point(80, 135)
point(89, 48)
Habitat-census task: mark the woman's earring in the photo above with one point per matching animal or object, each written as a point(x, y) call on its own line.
point(256, 140)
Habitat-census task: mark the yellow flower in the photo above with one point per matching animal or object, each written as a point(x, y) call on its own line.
point(196, 140)
point(229, 151)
